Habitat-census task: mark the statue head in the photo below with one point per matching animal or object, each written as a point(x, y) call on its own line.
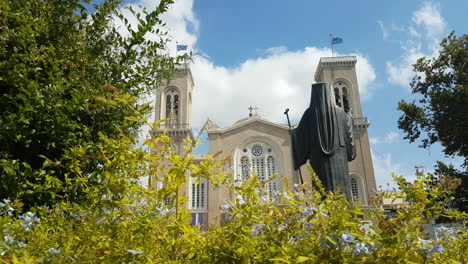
point(321, 94)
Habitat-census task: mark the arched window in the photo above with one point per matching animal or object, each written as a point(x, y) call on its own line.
point(244, 167)
point(337, 97)
point(345, 100)
point(342, 96)
point(357, 189)
point(271, 170)
point(354, 189)
point(172, 106)
point(258, 158)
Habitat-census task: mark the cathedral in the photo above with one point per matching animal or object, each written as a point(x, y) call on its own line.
point(259, 146)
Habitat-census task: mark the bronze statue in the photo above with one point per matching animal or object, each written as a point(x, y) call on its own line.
point(324, 136)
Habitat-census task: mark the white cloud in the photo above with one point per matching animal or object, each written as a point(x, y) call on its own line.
point(430, 18)
point(384, 167)
point(391, 137)
point(366, 77)
point(280, 80)
point(181, 22)
point(385, 32)
point(276, 50)
point(423, 35)
point(402, 73)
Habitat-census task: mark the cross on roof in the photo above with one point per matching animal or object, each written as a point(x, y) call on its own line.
point(253, 111)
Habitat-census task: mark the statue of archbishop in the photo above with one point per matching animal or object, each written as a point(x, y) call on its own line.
point(324, 136)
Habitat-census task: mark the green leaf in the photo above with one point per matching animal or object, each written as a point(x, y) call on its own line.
point(302, 259)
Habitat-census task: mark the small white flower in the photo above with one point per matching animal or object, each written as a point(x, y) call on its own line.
point(9, 239)
point(444, 230)
point(293, 239)
point(20, 245)
point(240, 199)
point(135, 252)
point(225, 206)
point(435, 249)
point(257, 230)
point(30, 220)
point(5, 202)
point(347, 237)
point(309, 210)
point(282, 227)
point(422, 241)
point(361, 248)
point(53, 251)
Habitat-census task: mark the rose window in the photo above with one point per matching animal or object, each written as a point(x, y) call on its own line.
point(257, 151)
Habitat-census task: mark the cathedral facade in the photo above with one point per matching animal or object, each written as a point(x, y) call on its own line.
point(258, 146)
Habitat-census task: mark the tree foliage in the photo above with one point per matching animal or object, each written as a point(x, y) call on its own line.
point(441, 113)
point(458, 181)
point(71, 79)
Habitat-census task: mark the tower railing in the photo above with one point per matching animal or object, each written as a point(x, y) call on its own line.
point(177, 126)
point(361, 122)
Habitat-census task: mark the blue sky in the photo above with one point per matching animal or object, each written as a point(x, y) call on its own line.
point(264, 53)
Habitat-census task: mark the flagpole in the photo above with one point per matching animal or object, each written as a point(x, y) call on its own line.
point(331, 43)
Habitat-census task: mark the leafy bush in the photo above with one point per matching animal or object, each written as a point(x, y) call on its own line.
point(127, 223)
point(70, 78)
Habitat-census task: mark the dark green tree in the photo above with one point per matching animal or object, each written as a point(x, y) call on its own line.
point(441, 113)
point(69, 77)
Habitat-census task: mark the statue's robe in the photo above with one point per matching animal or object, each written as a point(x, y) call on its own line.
point(324, 136)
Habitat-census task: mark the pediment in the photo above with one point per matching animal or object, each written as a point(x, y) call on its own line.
point(248, 123)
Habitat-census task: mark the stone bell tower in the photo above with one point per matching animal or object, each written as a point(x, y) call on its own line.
point(340, 72)
point(174, 107)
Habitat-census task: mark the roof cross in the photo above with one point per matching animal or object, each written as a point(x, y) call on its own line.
point(253, 111)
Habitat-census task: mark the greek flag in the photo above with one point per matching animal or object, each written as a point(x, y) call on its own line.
point(336, 41)
point(181, 47)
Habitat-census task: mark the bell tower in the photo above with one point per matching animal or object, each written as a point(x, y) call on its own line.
point(340, 72)
point(173, 107)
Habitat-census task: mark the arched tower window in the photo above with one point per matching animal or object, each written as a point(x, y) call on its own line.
point(337, 97)
point(244, 167)
point(172, 106)
point(342, 96)
point(355, 189)
point(260, 159)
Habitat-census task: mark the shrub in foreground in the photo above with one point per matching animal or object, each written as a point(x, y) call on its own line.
point(127, 223)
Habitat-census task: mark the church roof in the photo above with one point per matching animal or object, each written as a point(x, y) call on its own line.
point(245, 121)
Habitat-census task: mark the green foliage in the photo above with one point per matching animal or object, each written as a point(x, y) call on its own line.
point(441, 114)
point(126, 223)
point(456, 181)
point(69, 80)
